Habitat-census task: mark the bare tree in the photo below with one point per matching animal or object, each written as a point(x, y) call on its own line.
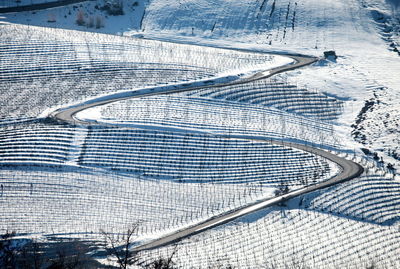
point(125, 256)
point(163, 263)
point(120, 249)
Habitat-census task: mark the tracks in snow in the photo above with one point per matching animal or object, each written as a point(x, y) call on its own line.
point(77, 143)
point(349, 169)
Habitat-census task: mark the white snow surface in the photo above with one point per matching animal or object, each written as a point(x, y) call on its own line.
point(359, 31)
point(351, 225)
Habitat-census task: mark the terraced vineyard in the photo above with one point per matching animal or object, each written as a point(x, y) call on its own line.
point(291, 236)
point(172, 137)
point(279, 95)
point(371, 198)
point(85, 65)
point(201, 174)
point(36, 143)
point(200, 158)
point(199, 114)
point(218, 173)
point(78, 202)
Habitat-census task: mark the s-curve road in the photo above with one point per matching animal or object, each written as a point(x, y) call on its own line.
point(349, 169)
point(67, 114)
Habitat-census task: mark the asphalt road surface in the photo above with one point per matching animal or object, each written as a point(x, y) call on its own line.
point(67, 114)
point(349, 170)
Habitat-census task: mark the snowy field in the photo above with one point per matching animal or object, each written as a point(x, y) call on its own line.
point(194, 114)
point(364, 33)
point(290, 236)
point(84, 65)
point(351, 225)
point(171, 160)
point(78, 202)
point(43, 160)
point(128, 168)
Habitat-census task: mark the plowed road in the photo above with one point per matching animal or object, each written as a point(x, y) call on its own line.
point(349, 169)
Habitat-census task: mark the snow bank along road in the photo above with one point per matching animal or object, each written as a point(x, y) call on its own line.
point(349, 169)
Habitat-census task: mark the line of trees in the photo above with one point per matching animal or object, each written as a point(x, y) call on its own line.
point(30, 254)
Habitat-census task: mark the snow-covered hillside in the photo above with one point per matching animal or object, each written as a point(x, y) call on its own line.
point(364, 33)
point(83, 65)
point(361, 32)
point(290, 237)
point(168, 161)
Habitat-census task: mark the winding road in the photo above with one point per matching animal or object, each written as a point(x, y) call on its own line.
point(349, 169)
point(67, 114)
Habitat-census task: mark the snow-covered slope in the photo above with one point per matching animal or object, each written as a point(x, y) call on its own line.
point(364, 33)
point(350, 104)
point(53, 67)
point(289, 237)
point(93, 16)
point(83, 65)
